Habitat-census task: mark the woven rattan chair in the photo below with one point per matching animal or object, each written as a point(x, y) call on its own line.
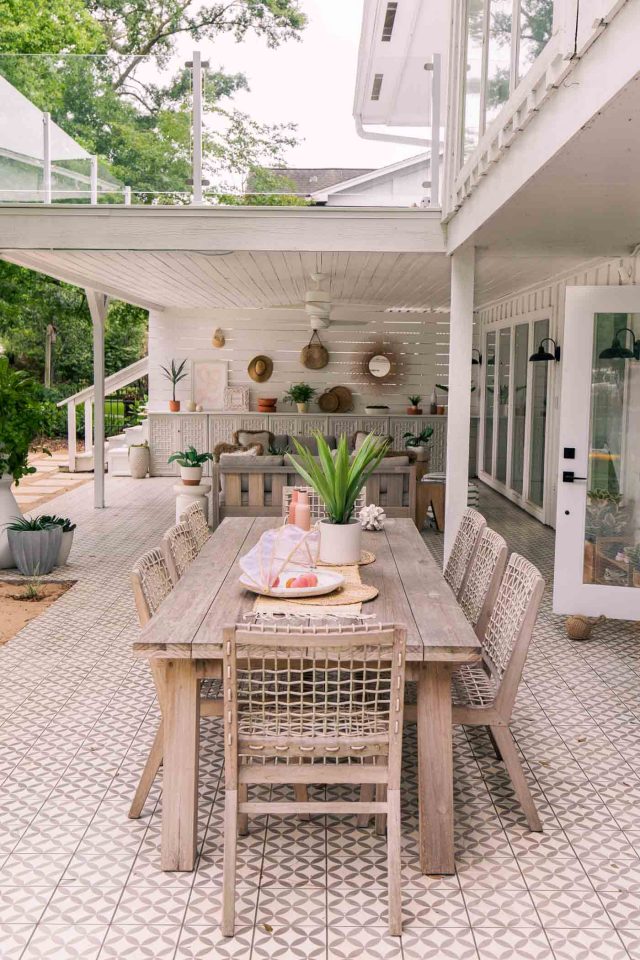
point(180, 549)
point(463, 550)
point(197, 522)
point(483, 580)
point(318, 510)
point(307, 705)
point(152, 582)
point(484, 693)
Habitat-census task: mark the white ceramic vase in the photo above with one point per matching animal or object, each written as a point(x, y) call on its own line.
point(422, 453)
point(302, 407)
point(139, 461)
point(191, 476)
point(8, 510)
point(340, 543)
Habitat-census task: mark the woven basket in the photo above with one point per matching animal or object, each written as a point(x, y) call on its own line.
point(314, 356)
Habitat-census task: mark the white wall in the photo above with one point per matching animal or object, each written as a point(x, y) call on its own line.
point(401, 189)
point(420, 341)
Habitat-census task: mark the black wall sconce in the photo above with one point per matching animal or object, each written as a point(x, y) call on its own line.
point(617, 350)
point(544, 356)
point(476, 361)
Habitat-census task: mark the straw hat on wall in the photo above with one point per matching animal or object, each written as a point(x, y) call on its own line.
point(260, 369)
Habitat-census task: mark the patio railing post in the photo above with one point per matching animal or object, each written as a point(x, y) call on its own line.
point(46, 156)
point(459, 398)
point(88, 425)
point(98, 308)
point(71, 435)
point(94, 180)
point(196, 74)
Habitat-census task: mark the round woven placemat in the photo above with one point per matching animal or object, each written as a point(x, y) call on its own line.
point(349, 593)
point(365, 557)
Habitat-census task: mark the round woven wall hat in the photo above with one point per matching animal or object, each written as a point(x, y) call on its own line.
point(260, 369)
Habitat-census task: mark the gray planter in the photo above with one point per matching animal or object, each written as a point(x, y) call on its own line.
point(35, 552)
point(65, 547)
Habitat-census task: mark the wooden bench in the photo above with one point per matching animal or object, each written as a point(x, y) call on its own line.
point(255, 490)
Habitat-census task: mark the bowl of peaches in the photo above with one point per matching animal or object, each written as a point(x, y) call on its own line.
point(291, 584)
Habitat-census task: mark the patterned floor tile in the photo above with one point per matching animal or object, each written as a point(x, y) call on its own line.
point(297, 907)
point(587, 944)
point(508, 943)
point(207, 943)
point(295, 943)
point(354, 943)
point(140, 942)
point(13, 939)
point(63, 941)
point(501, 907)
point(447, 943)
point(570, 908)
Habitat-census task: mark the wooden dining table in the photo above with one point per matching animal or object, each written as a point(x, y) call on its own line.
point(183, 641)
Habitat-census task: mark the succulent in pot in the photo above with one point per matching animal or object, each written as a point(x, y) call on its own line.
point(415, 401)
point(34, 544)
point(191, 463)
point(418, 442)
point(66, 542)
point(338, 480)
point(300, 394)
point(174, 374)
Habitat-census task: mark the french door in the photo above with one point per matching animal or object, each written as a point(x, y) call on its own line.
point(597, 569)
point(513, 413)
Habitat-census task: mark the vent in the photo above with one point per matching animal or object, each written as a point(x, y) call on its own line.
point(377, 86)
point(389, 20)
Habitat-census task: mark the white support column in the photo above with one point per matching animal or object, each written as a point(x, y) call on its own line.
point(127, 196)
point(98, 308)
point(71, 435)
point(196, 73)
point(46, 156)
point(94, 180)
point(459, 409)
point(434, 193)
point(88, 425)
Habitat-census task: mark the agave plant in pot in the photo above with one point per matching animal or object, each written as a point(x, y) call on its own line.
point(66, 542)
point(191, 463)
point(338, 480)
point(174, 374)
point(35, 544)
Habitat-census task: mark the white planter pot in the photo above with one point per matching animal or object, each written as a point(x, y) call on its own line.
point(340, 543)
point(65, 547)
point(139, 462)
point(8, 510)
point(191, 476)
point(35, 552)
point(422, 453)
point(302, 407)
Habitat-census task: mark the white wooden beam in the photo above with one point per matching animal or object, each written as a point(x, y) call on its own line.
point(98, 308)
point(88, 425)
point(71, 436)
point(459, 399)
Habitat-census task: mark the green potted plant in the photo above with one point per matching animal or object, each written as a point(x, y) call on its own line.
point(66, 542)
point(35, 544)
point(191, 463)
point(419, 442)
point(174, 374)
point(300, 394)
point(415, 402)
point(21, 420)
point(338, 480)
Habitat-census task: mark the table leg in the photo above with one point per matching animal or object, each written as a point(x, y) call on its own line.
point(435, 769)
point(181, 719)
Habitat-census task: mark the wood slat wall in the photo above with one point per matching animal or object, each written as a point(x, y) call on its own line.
point(420, 342)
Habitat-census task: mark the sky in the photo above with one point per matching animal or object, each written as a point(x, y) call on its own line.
point(310, 83)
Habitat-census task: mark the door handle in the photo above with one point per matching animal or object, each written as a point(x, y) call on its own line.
point(568, 476)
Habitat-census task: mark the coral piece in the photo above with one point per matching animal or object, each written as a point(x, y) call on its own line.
point(372, 517)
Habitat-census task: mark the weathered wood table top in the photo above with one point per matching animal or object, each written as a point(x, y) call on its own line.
point(412, 591)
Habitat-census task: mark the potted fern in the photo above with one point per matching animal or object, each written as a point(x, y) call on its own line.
point(338, 480)
point(419, 442)
point(191, 463)
point(300, 394)
point(174, 374)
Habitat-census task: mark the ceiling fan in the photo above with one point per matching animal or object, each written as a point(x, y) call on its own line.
point(320, 310)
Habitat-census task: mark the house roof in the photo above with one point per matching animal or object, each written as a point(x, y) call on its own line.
point(308, 180)
point(370, 176)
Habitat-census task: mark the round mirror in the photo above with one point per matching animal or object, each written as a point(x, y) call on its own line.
point(379, 366)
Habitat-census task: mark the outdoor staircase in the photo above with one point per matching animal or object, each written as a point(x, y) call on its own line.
point(117, 453)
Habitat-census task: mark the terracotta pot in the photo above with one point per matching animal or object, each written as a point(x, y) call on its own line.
point(191, 476)
point(174, 406)
point(414, 411)
point(440, 411)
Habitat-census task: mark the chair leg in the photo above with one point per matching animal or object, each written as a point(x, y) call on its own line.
point(149, 774)
point(367, 792)
point(301, 793)
point(393, 863)
point(381, 818)
point(229, 864)
point(494, 744)
point(243, 818)
point(508, 749)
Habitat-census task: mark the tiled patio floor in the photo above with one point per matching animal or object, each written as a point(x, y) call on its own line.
point(79, 880)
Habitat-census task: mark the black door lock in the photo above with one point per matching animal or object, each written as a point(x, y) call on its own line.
point(568, 476)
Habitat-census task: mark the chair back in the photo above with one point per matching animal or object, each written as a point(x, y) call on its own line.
point(482, 583)
point(151, 581)
point(314, 694)
point(506, 640)
point(180, 549)
point(316, 504)
point(463, 550)
point(197, 522)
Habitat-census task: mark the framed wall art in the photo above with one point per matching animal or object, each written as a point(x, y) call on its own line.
point(237, 398)
point(208, 383)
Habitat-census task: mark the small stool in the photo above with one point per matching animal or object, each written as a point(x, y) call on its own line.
point(185, 496)
point(431, 492)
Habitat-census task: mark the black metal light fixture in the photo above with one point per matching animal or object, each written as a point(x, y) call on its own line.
point(617, 350)
point(476, 361)
point(544, 356)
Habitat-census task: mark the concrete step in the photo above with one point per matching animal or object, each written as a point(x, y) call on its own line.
point(118, 462)
point(133, 434)
point(116, 441)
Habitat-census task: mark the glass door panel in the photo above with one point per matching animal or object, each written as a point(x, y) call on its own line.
point(518, 428)
point(504, 365)
point(489, 391)
point(539, 382)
